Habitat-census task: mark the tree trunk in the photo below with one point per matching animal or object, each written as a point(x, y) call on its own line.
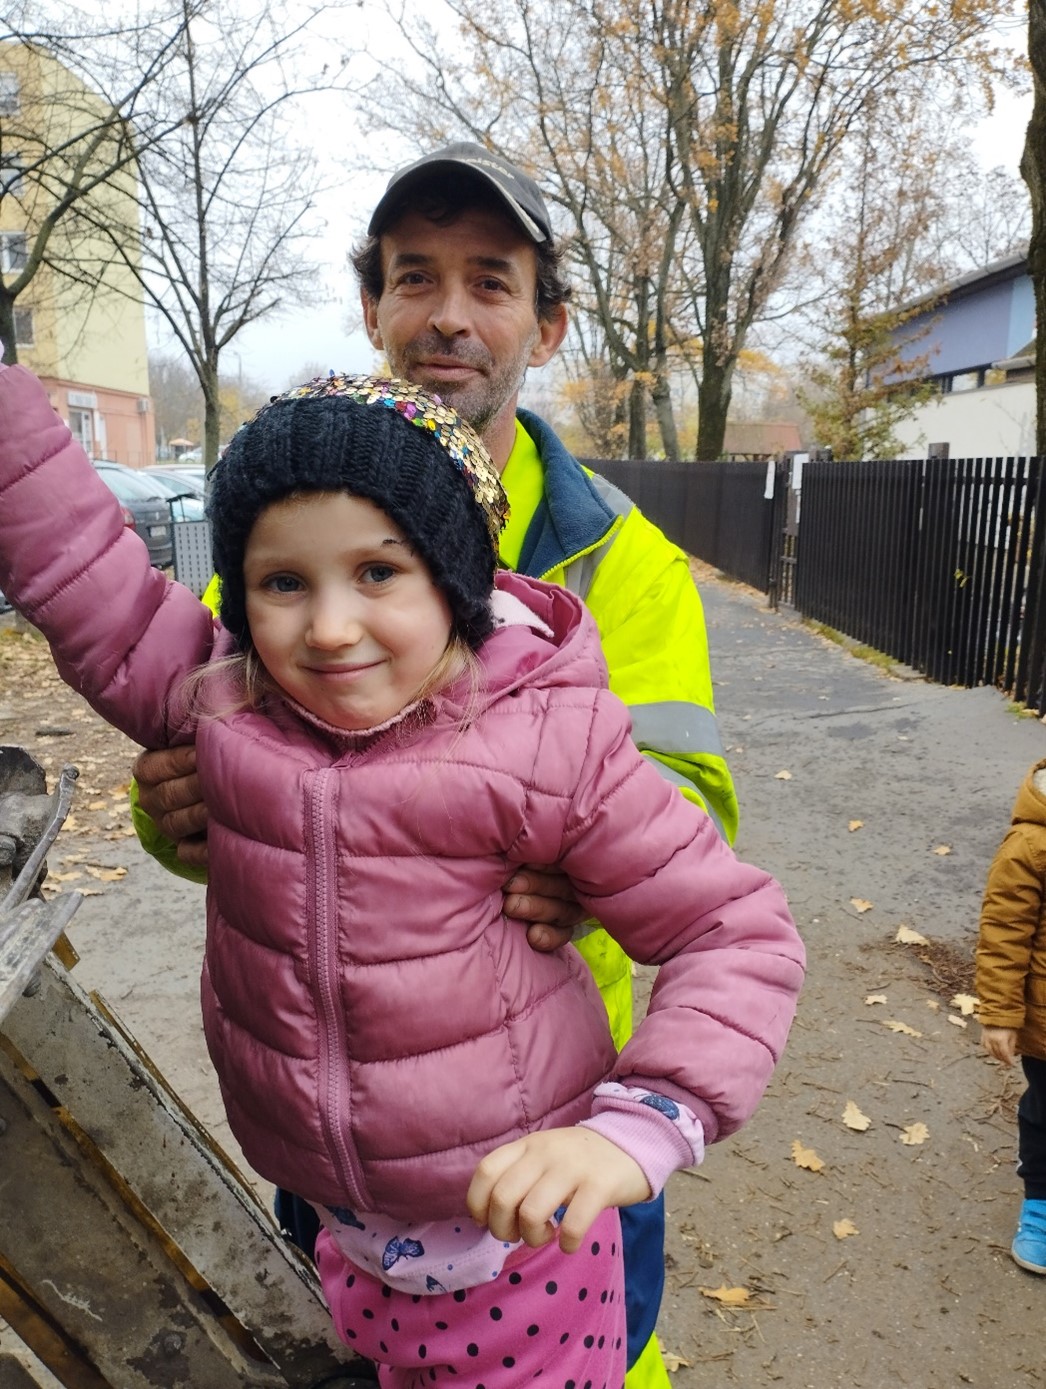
point(713, 404)
point(7, 330)
point(211, 414)
point(1033, 170)
point(666, 419)
point(637, 420)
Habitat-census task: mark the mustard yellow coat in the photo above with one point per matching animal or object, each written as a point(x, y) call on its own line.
point(1011, 947)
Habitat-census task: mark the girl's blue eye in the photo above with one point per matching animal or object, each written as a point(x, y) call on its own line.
point(378, 573)
point(283, 583)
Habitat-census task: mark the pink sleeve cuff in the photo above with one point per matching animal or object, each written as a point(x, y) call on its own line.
point(660, 1135)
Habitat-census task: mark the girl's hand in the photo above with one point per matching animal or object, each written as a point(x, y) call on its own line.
point(1000, 1042)
point(518, 1187)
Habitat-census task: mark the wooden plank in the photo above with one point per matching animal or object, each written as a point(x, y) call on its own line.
point(174, 1169)
point(96, 1272)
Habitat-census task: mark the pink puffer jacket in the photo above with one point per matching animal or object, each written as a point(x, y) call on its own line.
point(376, 1025)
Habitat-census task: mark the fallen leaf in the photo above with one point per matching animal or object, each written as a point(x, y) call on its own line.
point(97, 805)
point(69, 877)
point(843, 1229)
point(914, 1134)
point(674, 1362)
point(107, 875)
point(729, 1297)
point(854, 1119)
point(896, 1026)
point(943, 849)
point(855, 825)
point(966, 1004)
point(956, 1022)
point(860, 904)
point(906, 936)
point(876, 998)
point(90, 892)
point(806, 1157)
point(934, 1005)
point(783, 776)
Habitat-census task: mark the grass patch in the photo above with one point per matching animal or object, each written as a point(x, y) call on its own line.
point(829, 633)
point(873, 657)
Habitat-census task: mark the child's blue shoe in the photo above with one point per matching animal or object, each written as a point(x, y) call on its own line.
point(1029, 1243)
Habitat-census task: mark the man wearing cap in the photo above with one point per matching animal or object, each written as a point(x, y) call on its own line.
point(462, 290)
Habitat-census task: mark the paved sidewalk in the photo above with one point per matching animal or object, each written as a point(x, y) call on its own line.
point(924, 1294)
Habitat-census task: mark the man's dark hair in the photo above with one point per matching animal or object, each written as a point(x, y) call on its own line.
point(442, 200)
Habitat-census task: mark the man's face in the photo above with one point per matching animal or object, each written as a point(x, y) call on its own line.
point(457, 312)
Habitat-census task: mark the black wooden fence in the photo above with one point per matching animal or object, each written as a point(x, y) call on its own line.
point(939, 563)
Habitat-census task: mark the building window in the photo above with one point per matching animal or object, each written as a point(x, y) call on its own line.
point(24, 328)
point(13, 252)
point(8, 94)
point(12, 167)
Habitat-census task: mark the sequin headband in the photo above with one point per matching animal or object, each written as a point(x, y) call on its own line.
point(418, 407)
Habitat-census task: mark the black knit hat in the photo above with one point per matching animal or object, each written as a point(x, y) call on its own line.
point(387, 441)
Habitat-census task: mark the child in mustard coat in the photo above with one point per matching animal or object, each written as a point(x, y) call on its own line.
point(1011, 987)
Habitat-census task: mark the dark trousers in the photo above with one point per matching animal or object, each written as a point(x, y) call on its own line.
point(1031, 1130)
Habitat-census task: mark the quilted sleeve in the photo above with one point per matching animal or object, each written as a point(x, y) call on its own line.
point(651, 866)
point(1011, 914)
point(122, 634)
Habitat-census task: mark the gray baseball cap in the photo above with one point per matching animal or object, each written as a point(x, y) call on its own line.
point(520, 194)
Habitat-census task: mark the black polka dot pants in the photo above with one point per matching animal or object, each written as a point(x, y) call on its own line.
point(550, 1317)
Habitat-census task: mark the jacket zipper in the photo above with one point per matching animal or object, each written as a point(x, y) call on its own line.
point(322, 926)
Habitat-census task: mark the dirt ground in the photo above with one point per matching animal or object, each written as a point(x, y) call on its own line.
point(856, 1232)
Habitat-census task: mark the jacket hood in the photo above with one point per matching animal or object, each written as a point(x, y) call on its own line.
point(560, 646)
point(1030, 805)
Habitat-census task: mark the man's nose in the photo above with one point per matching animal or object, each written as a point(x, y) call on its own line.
point(450, 315)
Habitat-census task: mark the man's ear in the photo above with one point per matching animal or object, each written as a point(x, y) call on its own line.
point(370, 320)
point(551, 332)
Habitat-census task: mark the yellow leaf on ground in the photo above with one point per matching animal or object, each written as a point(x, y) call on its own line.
point(65, 877)
point(806, 1157)
point(876, 998)
point(97, 805)
point(855, 825)
point(843, 1229)
point(896, 1026)
point(783, 776)
point(906, 936)
point(966, 1004)
point(860, 904)
point(854, 1119)
point(914, 1134)
point(956, 1022)
point(107, 875)
point(943, 849)
point(674, 1362)
point(729, 1297)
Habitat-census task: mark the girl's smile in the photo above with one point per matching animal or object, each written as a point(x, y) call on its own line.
point(343, 614)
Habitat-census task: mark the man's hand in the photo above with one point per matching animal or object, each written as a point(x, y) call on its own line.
point(169, 793)
point(544, 899)
point(517, 1188)
point(1000, 1042)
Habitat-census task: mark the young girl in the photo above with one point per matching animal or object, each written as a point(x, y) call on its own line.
point(383, 735)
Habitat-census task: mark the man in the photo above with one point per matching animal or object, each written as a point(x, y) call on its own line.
point(462, 291)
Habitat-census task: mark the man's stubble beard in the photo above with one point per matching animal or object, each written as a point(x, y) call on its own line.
point(478, 402)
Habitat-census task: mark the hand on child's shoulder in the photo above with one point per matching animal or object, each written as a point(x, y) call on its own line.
point(1001, 1043)
point(518, 1188)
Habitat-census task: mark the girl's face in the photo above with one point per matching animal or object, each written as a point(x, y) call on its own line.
point(342, 612)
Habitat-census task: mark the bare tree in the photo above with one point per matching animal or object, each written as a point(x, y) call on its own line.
point(714, 128)
point(226, 195)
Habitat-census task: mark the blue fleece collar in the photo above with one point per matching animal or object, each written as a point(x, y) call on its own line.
point(572, 517)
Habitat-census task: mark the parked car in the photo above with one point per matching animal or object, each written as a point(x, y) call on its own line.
point(5, 606)
point(188, 477)
point(183, 495)
point(145, 509)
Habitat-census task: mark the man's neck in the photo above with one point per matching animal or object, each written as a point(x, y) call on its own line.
point(500, 435)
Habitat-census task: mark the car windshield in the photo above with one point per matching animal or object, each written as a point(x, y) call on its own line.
point(169, 485)
point(128, 486)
